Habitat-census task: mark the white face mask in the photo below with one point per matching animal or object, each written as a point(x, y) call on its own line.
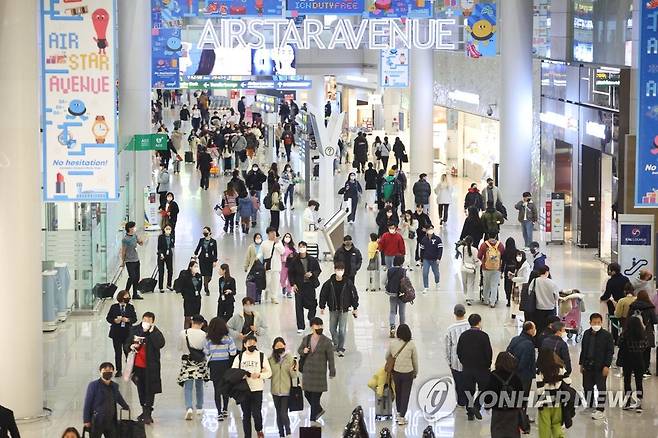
point(287, 240)
point(146, 326)
point(391, 231)
point(518, 259)
point(596, 328)
point(258, 241)
point(302, 250)
point(340, 274)
point(247, 309)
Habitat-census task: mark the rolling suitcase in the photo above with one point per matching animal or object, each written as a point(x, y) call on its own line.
point(384, 405)
point(189, 157)
point(148, 284)
point(310, 432)
point(107, 290)
point(130, 428)
point(253, 292)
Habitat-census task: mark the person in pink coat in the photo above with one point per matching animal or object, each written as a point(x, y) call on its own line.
point(290, 251)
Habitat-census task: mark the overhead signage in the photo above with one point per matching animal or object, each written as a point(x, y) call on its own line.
point(399, 8)
point(166, 44)
point(79, 135)
point(237, 8)
point(481, 31)
point(384, 33)
point(148, 142)
point(339, 7)
point(646, 168)
point(394, 68)
point(249, 85)
point(635, 243)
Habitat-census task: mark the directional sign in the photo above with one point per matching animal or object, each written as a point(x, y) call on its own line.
point(248, 85)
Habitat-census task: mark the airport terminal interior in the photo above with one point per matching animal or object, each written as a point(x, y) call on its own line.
point(455, 167)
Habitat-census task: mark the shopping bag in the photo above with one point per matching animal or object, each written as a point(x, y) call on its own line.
point(296, 398)
point(128, 368)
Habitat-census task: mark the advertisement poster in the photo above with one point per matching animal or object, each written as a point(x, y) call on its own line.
point(481, 31)
point(394, 68)
point(166, 45)
point(646, 170)
point(636, 246)
point(346, 7)
point(399, 8)
point(274, 62)
point(243, 8)
point(78, 88)
point(190, 8)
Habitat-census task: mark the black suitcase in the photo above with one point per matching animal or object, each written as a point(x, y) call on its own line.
point(310, 432)
point(130, 428)
point(189, 157)
point(107, 290)
point(148, 284)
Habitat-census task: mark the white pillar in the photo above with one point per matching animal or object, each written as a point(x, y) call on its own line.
point(135, 96)
point(516, 104)
point(421, 82)
point(21, 375)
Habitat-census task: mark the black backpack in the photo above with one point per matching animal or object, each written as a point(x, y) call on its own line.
point(267, 201)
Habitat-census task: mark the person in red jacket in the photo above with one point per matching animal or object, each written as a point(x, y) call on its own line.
point(391, 244)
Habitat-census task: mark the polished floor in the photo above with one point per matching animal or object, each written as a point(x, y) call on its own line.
point(73, 352)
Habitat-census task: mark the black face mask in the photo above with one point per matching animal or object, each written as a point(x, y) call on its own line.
point(318, 331)
point(251, 348)
point(206, 234)
point(106, 375)
point(279, 351)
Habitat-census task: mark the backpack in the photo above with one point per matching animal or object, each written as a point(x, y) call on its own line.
point(492, 257)
point(506, 387)
point(407, 291)
point(388, 189)
point(287, 139)
point(267, 201)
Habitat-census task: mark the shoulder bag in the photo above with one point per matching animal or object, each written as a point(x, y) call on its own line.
point(302, 357)
point(268, 262)
point(390, 361)
point(195, 355)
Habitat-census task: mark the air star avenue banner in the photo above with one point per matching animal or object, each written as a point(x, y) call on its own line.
point(79, 101)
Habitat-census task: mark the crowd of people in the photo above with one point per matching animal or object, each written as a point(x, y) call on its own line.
point(227, 349)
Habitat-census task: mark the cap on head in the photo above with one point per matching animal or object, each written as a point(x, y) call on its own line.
point(459, 310)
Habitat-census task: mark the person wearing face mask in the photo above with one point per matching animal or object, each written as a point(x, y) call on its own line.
point(351, 192)
point(527, 217)
point(522, 347)
point(491, 193)
point(538, 257)
point(596, 353)
point(193, 372)
point(423, 222)
point(317, 353)
point(556, 343)
point(339, 294)
point(258, 369)
point(188, 285)
point(547, 294)
point(100, 406)
point(644, 309)
point(431, 251)
point(121, 317)
point(245, 323)
point(303, 274)
point(473, 198)
point(391, 245)
point(386, 215)
point(273, 250)
point(509, 267)
point(170, 214)
point(284, 374)
point(130, 258)
point(614, 291)
point(288, 253)
point(247, 211)
point(206, 253)
point(255, 179)
point(422, 192)
point(255, 269)
point(227, 292)
point(146, 340)
point(351, 257)
point(287, 182)
point(165, 256)
point(310, 218)
point(163, 185)
point(520, 279)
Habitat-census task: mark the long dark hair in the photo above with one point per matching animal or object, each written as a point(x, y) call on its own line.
point(549, 364)
point(276, 341)
point(71, 430)
point(217, 329)
point(473, 213)
point(506, 362)
point(290, 245)
point(227, 271)
point(510, 251)
point(635, 330)
point(468, 243)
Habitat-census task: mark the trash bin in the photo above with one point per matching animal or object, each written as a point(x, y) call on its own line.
point(62, 304)
point(49, 279)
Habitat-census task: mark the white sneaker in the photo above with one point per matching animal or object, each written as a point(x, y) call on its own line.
point(598, 415)
point(300, 331)
point(402, 421)
point(189, 414)
point(199, 412)
point(425, 291)
point(274, 301)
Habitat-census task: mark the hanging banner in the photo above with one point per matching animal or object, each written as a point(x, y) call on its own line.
point(166, 45)
point(241, 8)
point(79, 136)
point(557, 218)
point(344, 7)
point(148, 142)
point(399, 8)
point(394, 68)
point(646, 149)
point(481, 31)
point(636, 243)
point(190, 8)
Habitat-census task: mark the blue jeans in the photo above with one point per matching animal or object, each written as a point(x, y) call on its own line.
point(338, 327)
point(427, 264)
point(396, 306)
point(187, 388)
point(526, 228)
point(491, 279)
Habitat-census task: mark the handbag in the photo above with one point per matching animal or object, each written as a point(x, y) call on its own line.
point(295, 398)
point(302, 358)
point(195, 355)
point(268, 262)
point(530, 305)
point(412, 235)
point(405, 158)
point(390, 361)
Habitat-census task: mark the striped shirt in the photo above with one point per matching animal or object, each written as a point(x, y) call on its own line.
point(452, 337)
point(223, 351)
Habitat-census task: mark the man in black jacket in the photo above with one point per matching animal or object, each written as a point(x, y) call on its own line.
point(100, 411)
point(255, 179)
point(556, 344)
point(595, 360)
point(474, 352)
point(303, 275)
point(121, 317)
point(424, 223)
point(350, 256)
point(422, 192)
point(204, 163)
point(431, 251)
point(614, 291)
point(360, 152)
point(522, 347)
point(146, 341)
point(339, 294)
point(242, 108)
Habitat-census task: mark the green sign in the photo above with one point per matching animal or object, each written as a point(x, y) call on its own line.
point(148, 142)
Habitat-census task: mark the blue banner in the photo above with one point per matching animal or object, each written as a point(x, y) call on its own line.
point(394, 68)
point(243, 8)
point(166, 45)
point(481, 31)
point(635, 235)
point(399, 9)
point(646, 167)
point(338, 7)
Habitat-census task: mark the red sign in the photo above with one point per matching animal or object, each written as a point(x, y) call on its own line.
point(549, 216)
